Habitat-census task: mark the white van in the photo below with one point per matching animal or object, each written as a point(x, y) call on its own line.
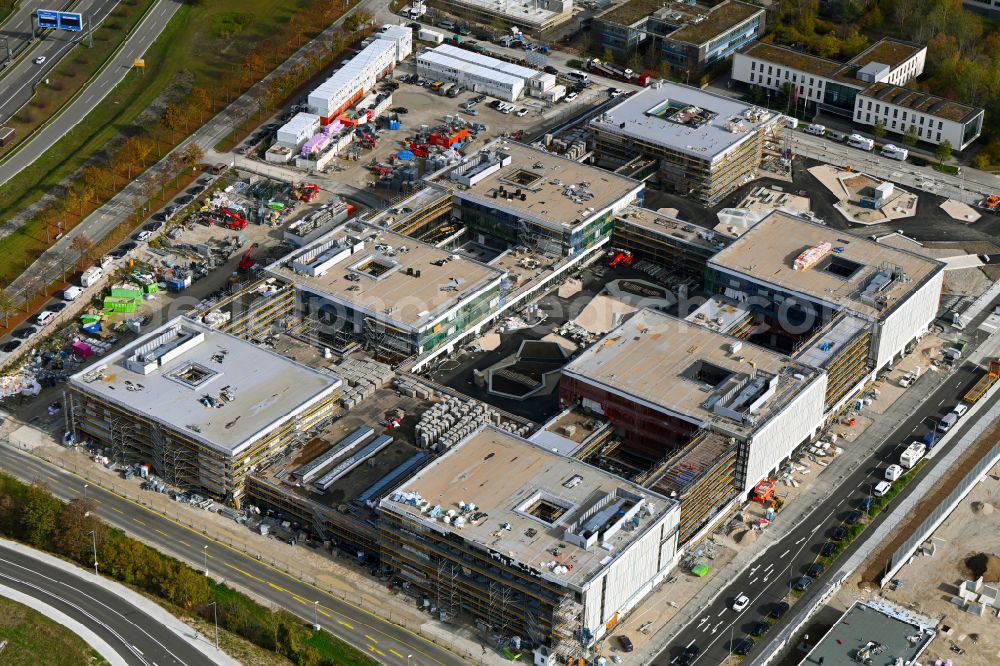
point(951, 418)
point(858, 141)
point(893, 472)
point(45, 317)
point(791, 123)
point(72, 293)
point(894, 152)
point(818, 130)
point(578, 77)
point(881, 488)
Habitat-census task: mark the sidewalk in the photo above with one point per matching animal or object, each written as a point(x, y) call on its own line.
point(198, 641)
point(811, 499)
point(338, 576)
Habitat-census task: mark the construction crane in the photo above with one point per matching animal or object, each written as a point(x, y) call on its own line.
point(233, 220)
point(248, 262)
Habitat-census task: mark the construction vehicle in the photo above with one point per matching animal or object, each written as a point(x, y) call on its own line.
point(616, 72)
point(232, 220)
point(247, 263)
point(991, 203)
point(620, 257)
point(763, 492)
point(984, 384)
point(305, 192)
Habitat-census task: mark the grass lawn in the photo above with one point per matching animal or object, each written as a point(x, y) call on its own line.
point(946, 168)
point(337, 651)
point(73, 71)
point(34, 639)
point(192, 49)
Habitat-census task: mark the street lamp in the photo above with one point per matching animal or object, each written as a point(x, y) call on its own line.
point(408, 658)
point(316, 615)
point(205, 551)
point(85, 486)
point(215, 615)
point(93, 533)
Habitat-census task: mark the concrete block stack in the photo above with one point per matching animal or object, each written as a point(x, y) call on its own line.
point(449, 421)
point(362, 377)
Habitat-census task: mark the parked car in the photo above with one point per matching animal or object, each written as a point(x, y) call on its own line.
point(10, 346)
point(866, 504)
point(549, 69)
point(185, 200)
point(143, 236)
point(881, 488)
point(522, 112)
point(778, 610)
point(197, 189)
point(689, 654)
point(56, 307)
point(153, 226)
point(742, 646)
point(802, 584)
point(853, 517)
point(40, 60)
point(741, 603)
point(827, 549)
point(816, 570)
point(44, 317)
point(759, 628)
point(626, 643)
point(570, 97)
point(839, 533)
point(24, 333)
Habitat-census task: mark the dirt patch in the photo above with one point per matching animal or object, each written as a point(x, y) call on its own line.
point(984, 508)
point(880, 558)
point(985, 565)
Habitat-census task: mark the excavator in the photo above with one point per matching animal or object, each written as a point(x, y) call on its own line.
point(247, 263)
point(620, 257)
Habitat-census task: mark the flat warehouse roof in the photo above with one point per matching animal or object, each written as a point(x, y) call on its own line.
point(486, 61)
point(684, 119)
point(692, 371)
point(849, 274)
point(445, 60)
point(885, 634)
point(169, 374)
point(782, 55)
point(393, 277)
point(529, 505)
point(557, 192)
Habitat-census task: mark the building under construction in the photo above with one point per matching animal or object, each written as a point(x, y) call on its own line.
point(846, 304)
point(391, 294)
point(530, 543)
point(203, 408)
point(666, 383)
point(706, 145)
point(679, 246)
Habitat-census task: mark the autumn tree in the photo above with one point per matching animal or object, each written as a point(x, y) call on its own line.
point(175, 165)
point(82, 245)
point(41, 515)
point(193, 154)
point(172, 118)
point(97, 178)
point(201, 101)
point(253, 66)
point(76, 521)
point(7, 307)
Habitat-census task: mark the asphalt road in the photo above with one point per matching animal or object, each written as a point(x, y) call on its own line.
point(17, 28)
point(770, 579)
point(120, 65)
point(19, 79)
point(137, 637)
point(379, 638)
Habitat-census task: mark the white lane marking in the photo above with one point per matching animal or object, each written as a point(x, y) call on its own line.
point(784, 553)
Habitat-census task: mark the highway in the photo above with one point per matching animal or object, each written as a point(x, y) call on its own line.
point(768, 581)
point(17, 28)
point(378, 638)
point(137, 637)
point(19, 80)
point(111, 75)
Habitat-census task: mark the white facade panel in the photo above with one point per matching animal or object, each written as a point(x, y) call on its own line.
point(298, 130)
point(777, 438)
point(908, 320)
point(360, 74)
point(478, 79)
point(930, 128)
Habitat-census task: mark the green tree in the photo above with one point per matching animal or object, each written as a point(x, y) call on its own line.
point(943, 151)
point(41, 515)
point(76, 521)
point(910, 137)
point(981, 161)
point(7, 307)
point(879, 130)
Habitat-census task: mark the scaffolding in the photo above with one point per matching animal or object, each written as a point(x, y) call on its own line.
point(447, 591)
point(500, 597)
point(569, 641)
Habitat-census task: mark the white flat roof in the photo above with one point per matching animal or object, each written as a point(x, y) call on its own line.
point(723, 124)
point(486, 61)
point(472, 68)
point(166, 374)
point(528, 503)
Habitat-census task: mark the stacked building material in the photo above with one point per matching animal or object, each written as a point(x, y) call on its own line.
point(363, 376)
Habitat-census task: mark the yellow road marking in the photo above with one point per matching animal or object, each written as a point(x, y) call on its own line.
point(345, 624)
point(245, 573)
point(117, 509)
point(184, 543)
point(396, 653)
point(323, 612)
point(371, 639)
point(163, 533)
point(376, 651)
point(299, 599)
point(278, 588)
point(138, 521)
